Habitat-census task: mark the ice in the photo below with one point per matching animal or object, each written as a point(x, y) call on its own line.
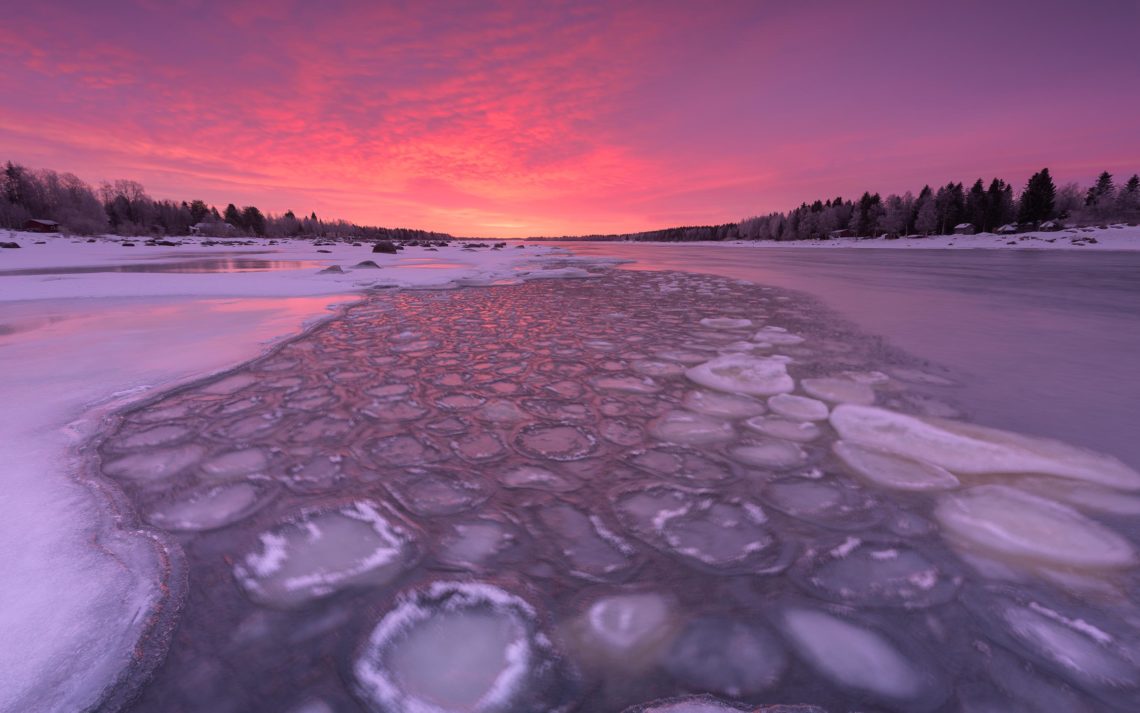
point(769, 453)
point(321, 552)
point(316, 475)
point(155, 465)
point(874, 573)
point(625, 626)
point(1007, 522)
point(500, 411)
point(434, 492)
point(208, 508)
point(681, 463)
point(557, 442)
point(1083, 496)
point(458, 648)
point(460, 402)
point(478, 447)
point(708, 704)
point(403, 450)
point(778, 336)
point(798, 408)
point(824, 502)
point(558, 410)
point(688, 428)
point(592, 550)
point(538, 478)
point(726, 322)
point(852, 656)
point(151, 437)
point(629, 384)
point(840, 391)
point(894, 472)
point(963, 448)
point(798, 431)
point(743, 374)
point(230, 384)
point(726, 657)
point(654, 367)
point(715, 403)
point(236, 464)
point(712, 532)
point(476, 544)
point(623, 433)
point(1071, 647)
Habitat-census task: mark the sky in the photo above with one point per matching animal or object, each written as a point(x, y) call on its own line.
point(531, 118)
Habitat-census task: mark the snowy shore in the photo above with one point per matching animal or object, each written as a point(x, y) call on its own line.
point(75, 345)
point(1113, 237)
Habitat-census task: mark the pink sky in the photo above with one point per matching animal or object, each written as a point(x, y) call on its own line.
point(528, 118)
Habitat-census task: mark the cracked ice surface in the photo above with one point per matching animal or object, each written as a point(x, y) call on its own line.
point(631, 510)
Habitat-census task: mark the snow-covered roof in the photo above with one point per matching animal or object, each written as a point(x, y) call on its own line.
point(961, 226)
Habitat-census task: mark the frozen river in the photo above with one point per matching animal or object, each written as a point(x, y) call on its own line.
point(1043, 342)
point(577, 494)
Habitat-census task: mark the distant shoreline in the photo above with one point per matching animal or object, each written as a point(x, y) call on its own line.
point(1116, 237)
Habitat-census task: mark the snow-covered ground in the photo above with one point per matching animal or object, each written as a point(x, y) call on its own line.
point(1113, 237)
point(79, 580)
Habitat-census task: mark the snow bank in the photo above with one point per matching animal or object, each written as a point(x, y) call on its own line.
point(1113, 237)
point(84, 584)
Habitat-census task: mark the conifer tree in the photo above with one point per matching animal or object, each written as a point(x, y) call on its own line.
point(1038, 197)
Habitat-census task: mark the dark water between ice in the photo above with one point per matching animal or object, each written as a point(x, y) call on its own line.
point(519, 440)
point(1043, 342)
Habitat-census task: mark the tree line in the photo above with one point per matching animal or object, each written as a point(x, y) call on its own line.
point(939, 212)
point(123, 207)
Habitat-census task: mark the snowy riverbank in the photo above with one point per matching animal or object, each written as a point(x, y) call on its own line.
point(1114, 237)
point(76, 342)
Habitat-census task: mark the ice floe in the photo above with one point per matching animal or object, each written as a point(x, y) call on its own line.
point(432, 492)
point(743, 374)
point(1007, 522)
point(591, 549)
point(825, 502)
point(726, 322)
point(875, 573)
point(681, 463)
point(209, 508)
point(716, 403)
point(688, 428)
point(769, 453)
point(853, 656)
point(798, 431)
point(557, 442)
point(1097, 657)
point(840, 391)
point(459, 648)
point(777, 336)
point(478, 543)
point(626, 630)
point(894, 472)
point(798, 408)
point(706, 530)
point(968, 449)
point(321, 552)
point(727, 657)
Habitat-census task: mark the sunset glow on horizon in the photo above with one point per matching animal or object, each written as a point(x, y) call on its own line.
point(517, 119)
